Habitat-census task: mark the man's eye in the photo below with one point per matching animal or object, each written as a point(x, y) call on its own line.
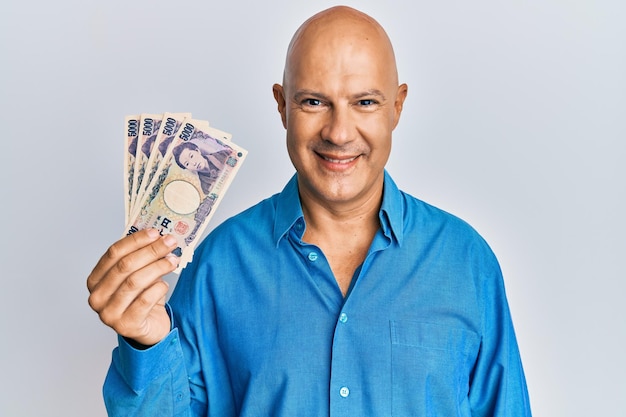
point(312, 102)
point(367, 102)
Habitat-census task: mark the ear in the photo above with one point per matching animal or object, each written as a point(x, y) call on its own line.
point(403, 90)
point(279, 96)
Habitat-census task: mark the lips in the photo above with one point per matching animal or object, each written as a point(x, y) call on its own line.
point(339, 161)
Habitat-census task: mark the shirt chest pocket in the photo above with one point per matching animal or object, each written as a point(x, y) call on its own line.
point(431, 365)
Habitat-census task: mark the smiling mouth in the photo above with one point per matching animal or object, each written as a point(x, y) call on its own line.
point(338, 161)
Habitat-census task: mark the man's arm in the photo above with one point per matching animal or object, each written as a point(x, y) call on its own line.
point(150, 382)
point(498, 385)
point(147, 376)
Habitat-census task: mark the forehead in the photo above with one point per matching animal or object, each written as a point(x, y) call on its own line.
point(185, 153)
point(334, 55)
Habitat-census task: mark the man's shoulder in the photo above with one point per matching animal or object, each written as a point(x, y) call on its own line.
point(416, 212)
point(255, 216)
point(423, 217)
point(423, 211)
point(252, 224)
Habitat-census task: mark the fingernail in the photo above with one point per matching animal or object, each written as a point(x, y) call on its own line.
point(169, 240)
point(173, 259)
point(152, 233)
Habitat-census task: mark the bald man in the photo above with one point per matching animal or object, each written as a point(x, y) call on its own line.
point(339, 296)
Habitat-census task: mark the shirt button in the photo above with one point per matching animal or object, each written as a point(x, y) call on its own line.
point(312, 256)
point(344, 392)
point(343, 317)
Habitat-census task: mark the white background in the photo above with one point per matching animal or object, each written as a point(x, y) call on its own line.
point(515, 121)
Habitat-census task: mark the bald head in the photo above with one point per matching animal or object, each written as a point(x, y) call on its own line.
point(330, 35)
point(339, 102)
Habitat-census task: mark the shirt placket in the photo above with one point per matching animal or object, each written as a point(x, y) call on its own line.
point(345, 387)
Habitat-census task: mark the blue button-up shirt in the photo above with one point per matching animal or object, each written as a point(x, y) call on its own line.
point(261, 327)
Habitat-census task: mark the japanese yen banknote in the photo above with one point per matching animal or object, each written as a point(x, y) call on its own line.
point(176, 172)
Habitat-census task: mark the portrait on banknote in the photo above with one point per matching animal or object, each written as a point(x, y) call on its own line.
point(205, 158)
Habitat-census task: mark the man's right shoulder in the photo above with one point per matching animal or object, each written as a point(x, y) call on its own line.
point(263, 211)
point(253, 222)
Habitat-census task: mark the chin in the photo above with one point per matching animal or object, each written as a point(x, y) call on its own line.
point(339, 192)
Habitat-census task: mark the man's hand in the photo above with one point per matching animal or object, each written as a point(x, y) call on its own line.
point(127, 287)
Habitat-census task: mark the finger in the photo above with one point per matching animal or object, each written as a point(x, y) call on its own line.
point(118, 250)
point(136, 283)
point(145, 319)
point(133, 267)
point(114, 311)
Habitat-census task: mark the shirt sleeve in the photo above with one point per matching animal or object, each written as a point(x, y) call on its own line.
point(498, 385)
point(182, 375)
point(150, 382)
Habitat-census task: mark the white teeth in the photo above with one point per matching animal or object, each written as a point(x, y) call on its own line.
point(340, 161)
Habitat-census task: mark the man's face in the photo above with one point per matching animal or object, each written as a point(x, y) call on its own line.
point(340, 106)
point(192, 160)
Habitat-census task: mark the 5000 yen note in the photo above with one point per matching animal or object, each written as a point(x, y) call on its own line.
point(131, 129)
point(149, 125)
point(156, 146)
point(186, 190)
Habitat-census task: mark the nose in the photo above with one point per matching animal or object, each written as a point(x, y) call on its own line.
point(339, 128)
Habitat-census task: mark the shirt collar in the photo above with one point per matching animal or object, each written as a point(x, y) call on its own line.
point(289, 210)
point(392, 211)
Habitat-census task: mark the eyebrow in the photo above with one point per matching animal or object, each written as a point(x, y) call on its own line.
point(369, 93)
point(301, 94)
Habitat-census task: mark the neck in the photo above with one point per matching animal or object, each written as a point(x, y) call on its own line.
point(344, 232)
point(332, 221)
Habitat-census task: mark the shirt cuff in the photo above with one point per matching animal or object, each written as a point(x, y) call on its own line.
point(139, 367)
